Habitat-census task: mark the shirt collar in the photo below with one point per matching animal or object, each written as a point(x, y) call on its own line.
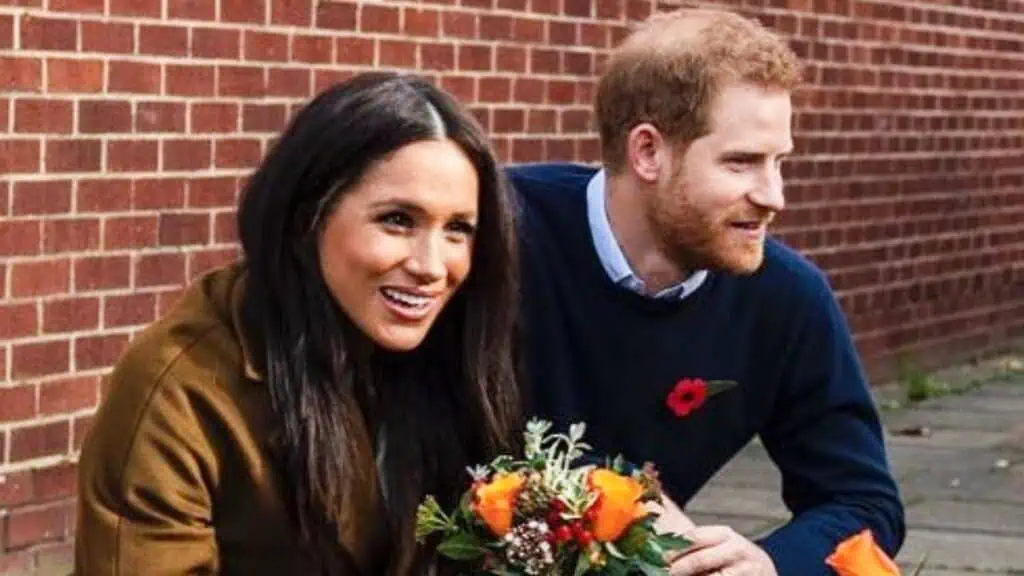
point(610, 253)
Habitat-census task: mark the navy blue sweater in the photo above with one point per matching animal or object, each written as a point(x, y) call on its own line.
point(600, 353)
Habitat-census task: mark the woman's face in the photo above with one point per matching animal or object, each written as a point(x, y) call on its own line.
point(400, 242)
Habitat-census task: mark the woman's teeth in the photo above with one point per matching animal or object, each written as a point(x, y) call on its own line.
point(405, 298)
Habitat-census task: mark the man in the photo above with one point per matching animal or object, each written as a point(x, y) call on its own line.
point(657, 269)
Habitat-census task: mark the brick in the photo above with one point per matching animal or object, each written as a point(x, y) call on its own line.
point(104, 116)
point(17, 403)
point(354, 51)
point(561, 92)
point(254, 11)
point(20, 74)
point(108, 195)
point(494, 27)
point(578, 8)
point(511, 59)
point(263, 117)
point(15, 487)
point(475, 57)
point(373, 18)
point(19, 238)
point(6, 31)
point(265, 47)
point(107, 37)
point(214, 117)
point(397, 53)
point(129, 310)
point(44, 197)
point(225, 228)
point(184, 80)
point(418, 22)
point(55, 482)
point(134, 77)
point(528, 30)
point(187, 155)
point(163, 40)
point(160, 116)
point(27, 526)
point(460, 87)
point(509, 120)
point(192, 9)
point(40, 278)
point(149, 8)
point(216, 43)
point(216, 192)
point(312, 49)
point(5, 115)
point(133, 155)
point(236, 153)
point(437, 56)
point(123, 232)
point(291, 12)
point(160, 270)
point(204, 261)
point(80, 76)
point(336, 15)
point(72, 155)
point(38, 359)
point(541, 120)
point(494, 89)
point(99, 351)
point(294, 82)
point(102, 273)
point(544, 61)
point(184, 229)
point(71, 235)
point(158, 193)
point(71, 315)
point(459, 25)
point(528, 90)
point(19, 156)
point(18, 321)
point(38, 33)
point(247, 82)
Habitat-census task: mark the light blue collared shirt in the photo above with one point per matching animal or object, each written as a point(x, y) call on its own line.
point(610, 253)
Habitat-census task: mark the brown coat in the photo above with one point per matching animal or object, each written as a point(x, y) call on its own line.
point(175, 476)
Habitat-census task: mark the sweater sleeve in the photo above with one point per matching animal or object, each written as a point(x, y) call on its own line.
point(826, 438)
point(144, 503)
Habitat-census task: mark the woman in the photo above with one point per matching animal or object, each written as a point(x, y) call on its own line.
point(290, 413)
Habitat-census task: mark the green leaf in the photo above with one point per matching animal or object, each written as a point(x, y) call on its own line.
point(616, 567)
point(613, 550)
point(576, 431)
point(670, 542)
point(633, 540)
point(462, 546)
point(653, 554)
point(718, 386)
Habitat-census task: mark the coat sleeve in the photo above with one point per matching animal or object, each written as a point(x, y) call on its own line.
point(145, 478)
point(825, 435)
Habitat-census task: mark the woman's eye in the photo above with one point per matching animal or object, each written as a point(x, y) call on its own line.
point(397, 219)
point(462, 228)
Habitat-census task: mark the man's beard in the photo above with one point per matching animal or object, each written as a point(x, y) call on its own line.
point(694, 241)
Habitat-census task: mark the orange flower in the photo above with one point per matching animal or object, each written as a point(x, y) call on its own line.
point(858, 555)
point(618, 504)
point(495, 501)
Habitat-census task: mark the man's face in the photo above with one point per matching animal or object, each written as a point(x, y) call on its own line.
point(712, 207)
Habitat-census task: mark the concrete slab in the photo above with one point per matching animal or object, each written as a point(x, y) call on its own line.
point(965, 552)
point(1005, 519)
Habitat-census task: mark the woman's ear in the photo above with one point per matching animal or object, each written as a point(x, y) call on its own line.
point(646, 152)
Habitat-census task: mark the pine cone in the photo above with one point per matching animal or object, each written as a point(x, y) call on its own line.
point(535, 498)
point(528, 547)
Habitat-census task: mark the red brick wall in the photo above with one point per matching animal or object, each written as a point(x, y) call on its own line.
point(126, 126)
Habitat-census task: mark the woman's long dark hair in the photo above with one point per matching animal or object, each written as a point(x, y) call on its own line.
point(428, 413)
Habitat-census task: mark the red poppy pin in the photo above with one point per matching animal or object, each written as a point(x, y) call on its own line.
point(690, 393)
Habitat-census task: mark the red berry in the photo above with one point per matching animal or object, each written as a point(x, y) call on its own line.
point(558, 506)
point(584, 538)
point(590, 514)
point(563, 533)
point(553, 519)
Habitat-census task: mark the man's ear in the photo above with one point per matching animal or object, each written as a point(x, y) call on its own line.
point(646, 152)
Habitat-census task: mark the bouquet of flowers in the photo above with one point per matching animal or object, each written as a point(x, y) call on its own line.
point(546, 514)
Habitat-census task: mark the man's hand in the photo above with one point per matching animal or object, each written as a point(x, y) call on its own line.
point(720, 551)
point(671, 518)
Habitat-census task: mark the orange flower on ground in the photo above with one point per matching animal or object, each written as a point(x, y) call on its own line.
point(495, 501)
point(618, 504)
point(858, 555)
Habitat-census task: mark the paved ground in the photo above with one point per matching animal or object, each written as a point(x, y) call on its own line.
point(959, 459)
